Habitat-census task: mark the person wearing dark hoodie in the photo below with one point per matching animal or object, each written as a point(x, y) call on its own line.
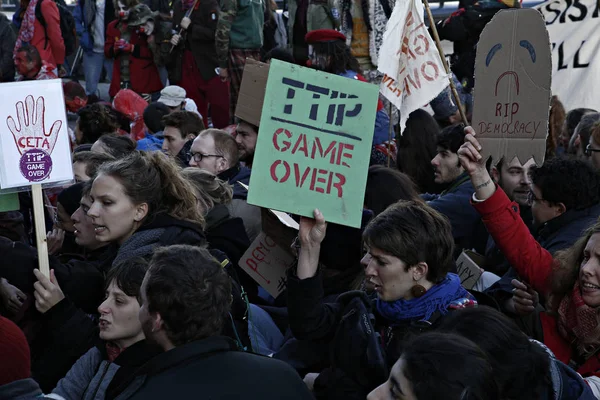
point(216, 151)
point(525, 369)
point(467, 229)
point(121, 347)
point(8, 37)
point(181, 128)
point(15, 375)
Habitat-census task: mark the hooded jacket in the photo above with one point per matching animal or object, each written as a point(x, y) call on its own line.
point(24, 389)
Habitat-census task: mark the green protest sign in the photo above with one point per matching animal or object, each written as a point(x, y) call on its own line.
point(314, 144)
point(9, 202)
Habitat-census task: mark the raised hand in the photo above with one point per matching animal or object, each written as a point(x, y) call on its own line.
point(31, 131)
point(47, 291)
point(312, 231)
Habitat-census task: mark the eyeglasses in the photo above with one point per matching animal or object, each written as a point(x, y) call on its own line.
point(589, 150)
point(199, 156)
point(531, 197)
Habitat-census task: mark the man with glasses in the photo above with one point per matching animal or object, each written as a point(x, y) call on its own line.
point(216, 151)
point(592, 150)
point(565, 200)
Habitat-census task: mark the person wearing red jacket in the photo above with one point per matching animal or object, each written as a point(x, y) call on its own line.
point(48, 41)
point(134, 66)
point(571, 280)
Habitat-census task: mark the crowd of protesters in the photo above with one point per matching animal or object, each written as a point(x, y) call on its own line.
point(145, 298)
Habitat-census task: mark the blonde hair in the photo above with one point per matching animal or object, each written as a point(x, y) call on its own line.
point(155, 179)
point(211, 190)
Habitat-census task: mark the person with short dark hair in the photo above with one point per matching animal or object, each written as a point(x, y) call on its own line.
point(186, 297)
point(86, 163)
point(30, 66)
point(94, 121)
point(592, 150)
point(116, 146)
point(153, 119)
point(454, 201)
point(581, 134)
point(440, 366)
point(409, 250)
point(571, 121)
point(524, 369)
point(246, 137)
point(121, 347)
point(75, 96)
point(181, 128)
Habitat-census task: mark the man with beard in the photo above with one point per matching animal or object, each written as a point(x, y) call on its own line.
point(186, 301)
point(454, 202)
point(246, 136)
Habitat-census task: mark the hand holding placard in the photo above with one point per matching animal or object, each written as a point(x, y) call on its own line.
point(31, 132)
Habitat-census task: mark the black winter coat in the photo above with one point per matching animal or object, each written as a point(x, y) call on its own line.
point(213, 369)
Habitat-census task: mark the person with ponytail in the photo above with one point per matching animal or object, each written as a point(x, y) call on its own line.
point(408, 256)
point(142, 202)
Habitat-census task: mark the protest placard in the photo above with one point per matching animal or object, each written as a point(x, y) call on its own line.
point(267, 264)
point(413, 70)
point(573, 30)
point(252, 91)
point(314, 144)
point(468, 269)
point(512, 86)
point(35, 146)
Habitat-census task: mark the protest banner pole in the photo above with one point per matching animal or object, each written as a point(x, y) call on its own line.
point(188, 14)
point(438, 44)
point(40, 229)
point(390, 131)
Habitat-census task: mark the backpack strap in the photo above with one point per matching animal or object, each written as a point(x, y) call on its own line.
point(40, 17)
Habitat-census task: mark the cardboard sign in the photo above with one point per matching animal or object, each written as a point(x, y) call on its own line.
point(314, 144)
point(252, 91)
point(267, 264)
point(413, 70)
point(573, 30)
point(468, 268)
point(512, 86)
point(34, 142)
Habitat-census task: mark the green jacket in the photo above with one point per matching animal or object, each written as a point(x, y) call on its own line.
point(322, 14)
point(240, 26)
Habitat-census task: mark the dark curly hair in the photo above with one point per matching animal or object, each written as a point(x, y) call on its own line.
point(191, 292)
point(451, 137)
point(572, 182)
point(94, 121)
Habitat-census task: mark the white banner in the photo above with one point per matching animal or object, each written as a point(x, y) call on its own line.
point(408, 58)
point(575, 40)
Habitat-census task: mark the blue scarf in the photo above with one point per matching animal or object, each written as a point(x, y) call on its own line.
point(438, 298)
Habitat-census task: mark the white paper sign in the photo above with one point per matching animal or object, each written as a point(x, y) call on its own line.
point(34, 141)
point(408, 58)
point(573, 30)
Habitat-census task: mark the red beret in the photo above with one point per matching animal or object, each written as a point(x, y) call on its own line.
point(324, 35)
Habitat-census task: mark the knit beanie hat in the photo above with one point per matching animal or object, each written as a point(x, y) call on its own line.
point(153, 115)
point(70, 197)
point(14, 353)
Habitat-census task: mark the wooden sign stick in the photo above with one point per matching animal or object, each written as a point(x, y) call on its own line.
point(436, 38)
point(40, 229)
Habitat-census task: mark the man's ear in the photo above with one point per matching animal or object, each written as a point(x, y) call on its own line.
point(495, 174)
point(560, 209)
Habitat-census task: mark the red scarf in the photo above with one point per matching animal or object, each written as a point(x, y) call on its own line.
point(113, 351)
point(579, 323)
